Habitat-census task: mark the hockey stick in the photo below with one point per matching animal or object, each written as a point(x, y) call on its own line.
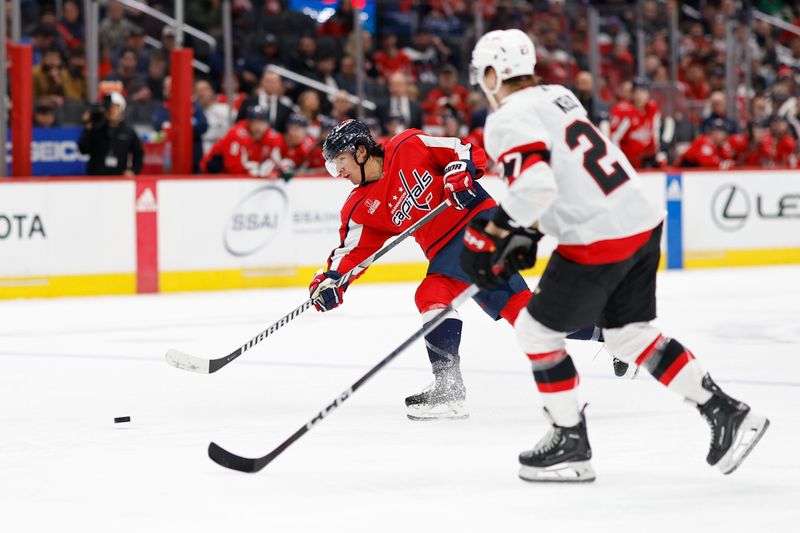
point(192, 363)
point(243, 464)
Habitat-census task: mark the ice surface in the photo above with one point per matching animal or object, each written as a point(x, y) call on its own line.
point(70, 366)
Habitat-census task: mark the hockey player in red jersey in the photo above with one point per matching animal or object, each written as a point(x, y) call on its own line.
point(635, 127)
point(571, 182)
point(711, 150)
point(396, 185)
point(249, 147)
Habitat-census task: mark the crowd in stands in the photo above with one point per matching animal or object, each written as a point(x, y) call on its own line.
point(416, 67)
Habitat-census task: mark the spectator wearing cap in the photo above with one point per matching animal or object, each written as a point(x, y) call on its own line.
point(115, 28)
point(113, 146)
point(299, 143)
point(636, 127)
point(399, 104)
point(217, 113)
point(448, 92)
point(270, 97)
point(134, 83)
point(249, 147)
point(161, 122)
point(710, 150)
point(268, 53)
point(44, 115)
point(718, 111)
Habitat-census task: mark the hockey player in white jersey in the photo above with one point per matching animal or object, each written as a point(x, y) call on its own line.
point(567, 180)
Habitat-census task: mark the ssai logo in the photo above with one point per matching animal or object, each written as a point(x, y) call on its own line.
point(255, 221)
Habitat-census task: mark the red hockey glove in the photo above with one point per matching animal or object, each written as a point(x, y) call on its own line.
point(459, 184)
point(324, 293)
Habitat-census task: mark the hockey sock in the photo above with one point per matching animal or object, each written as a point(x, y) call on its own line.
point(442, 344)
point(676, 368)
point(591, 333)
point(514, 305)
point(557, 380)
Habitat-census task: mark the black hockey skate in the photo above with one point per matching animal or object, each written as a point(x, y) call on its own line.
point(563, 455)
point(443, 399)
point(734, 429)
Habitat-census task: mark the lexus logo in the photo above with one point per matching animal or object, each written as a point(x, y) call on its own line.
point(730, 207)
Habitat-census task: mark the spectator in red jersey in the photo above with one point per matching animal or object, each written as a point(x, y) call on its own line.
point(754, 148)
point(711, 150)
point(785, 145)
point(390, 59)
point(635, 127)
point(448, 93)
point(249, 147)
point(299, 144)
point(695, 86)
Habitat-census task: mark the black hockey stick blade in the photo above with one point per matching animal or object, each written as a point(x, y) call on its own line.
point(200, 365)
point(230, 460)
point(223, 457)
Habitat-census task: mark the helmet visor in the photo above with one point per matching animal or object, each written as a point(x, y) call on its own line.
point(335, 163)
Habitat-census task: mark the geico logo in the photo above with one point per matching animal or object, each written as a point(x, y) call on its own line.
point(20, 226)
point(254, 221)
point(56, 151)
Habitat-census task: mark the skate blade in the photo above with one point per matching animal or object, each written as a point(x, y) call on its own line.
point(574, 472)
point(750, 432)
point(444, 411)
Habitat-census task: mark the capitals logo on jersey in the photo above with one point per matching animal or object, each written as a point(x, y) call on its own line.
point(410, 195)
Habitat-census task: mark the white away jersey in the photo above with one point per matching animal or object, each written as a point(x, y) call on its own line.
point(588, 193)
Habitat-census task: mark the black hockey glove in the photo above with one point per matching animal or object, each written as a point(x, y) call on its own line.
point(520, 246)
point(323, 291)
point(490, 261)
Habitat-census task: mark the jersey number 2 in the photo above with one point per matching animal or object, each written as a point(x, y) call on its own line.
point(607, 181)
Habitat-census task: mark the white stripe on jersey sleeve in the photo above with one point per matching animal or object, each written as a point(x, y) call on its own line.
point(350, 242)
point(531, 194)
point(462, 150)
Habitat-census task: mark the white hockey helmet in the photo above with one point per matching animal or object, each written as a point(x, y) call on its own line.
point(509, 52)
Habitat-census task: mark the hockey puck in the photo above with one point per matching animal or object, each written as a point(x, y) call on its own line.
point(120, 419)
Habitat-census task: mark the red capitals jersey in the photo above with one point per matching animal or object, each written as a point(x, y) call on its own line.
point(785, 151)
point(241, 154)
point(301, 154)
point(704, 153)
point(635, 130)
point(411, 186)
point(436, 102)
point(749, 153)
